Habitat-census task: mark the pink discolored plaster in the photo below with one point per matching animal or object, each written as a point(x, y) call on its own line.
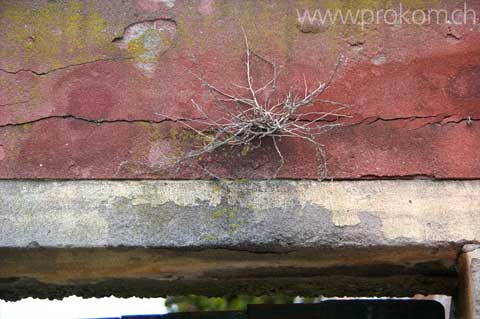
point(114, 111)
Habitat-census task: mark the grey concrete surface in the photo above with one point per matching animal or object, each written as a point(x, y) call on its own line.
point(257, 215)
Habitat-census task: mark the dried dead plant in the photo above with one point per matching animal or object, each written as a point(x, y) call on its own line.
point(248, 120)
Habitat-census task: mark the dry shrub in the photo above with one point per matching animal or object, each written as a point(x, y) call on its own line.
point(247, 120)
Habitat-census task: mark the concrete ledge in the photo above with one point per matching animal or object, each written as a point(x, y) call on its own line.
point(55, 273)
point(257, 215)
point(154, 238)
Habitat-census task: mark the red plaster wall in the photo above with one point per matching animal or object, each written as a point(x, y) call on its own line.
point(77, 101)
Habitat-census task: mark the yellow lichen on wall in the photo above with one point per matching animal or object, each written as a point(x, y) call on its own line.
point(53, 34)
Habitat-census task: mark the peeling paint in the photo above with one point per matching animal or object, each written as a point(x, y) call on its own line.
point(342, 219)
point(386, 212)
point(404, 212)
point(183, 195)
point(162, 213)
point(379, 60)
point(146, 41)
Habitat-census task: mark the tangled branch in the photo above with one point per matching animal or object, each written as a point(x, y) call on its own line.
point(247, 120)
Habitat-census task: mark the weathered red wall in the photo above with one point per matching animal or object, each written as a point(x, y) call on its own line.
point(81, 97)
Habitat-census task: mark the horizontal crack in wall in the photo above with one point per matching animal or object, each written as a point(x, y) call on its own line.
point(95, 121)
point(366, 121)
point(64, 67)
point(442, 120)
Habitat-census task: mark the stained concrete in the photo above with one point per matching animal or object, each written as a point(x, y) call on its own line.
point(261, 215)
point(393, 238)
point(148, 272)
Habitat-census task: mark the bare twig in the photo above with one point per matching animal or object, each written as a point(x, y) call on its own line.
point(252, 119)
